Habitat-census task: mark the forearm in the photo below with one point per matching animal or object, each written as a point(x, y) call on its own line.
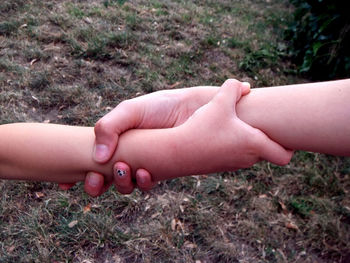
point(45, 152)
point(63, 154)
point(313, 117)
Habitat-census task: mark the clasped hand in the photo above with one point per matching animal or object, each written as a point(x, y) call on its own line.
point(206, 112)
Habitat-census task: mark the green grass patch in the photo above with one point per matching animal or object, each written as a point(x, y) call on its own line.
point(75, 11)
point(8, 28)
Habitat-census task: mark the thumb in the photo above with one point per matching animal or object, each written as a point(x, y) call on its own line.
point(230, 93)
point(107, 130)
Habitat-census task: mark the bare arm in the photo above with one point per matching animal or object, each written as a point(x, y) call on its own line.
point(46, 152)
point(63, 154)
point(296, 116)
point(311, 117)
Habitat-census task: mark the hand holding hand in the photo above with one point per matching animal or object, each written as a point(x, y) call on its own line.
point(171, 108)
point(161, 109)
point(222, 141)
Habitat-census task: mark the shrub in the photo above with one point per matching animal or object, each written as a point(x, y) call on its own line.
point(320, 36)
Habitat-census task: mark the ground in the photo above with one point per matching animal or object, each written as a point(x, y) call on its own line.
point(71, 62)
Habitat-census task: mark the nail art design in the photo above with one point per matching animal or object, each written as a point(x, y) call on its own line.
point(121, 172)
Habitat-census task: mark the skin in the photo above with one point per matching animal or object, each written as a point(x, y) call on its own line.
point(162, 109)
point(315, 118)
point(37, 151)
point(331, 95)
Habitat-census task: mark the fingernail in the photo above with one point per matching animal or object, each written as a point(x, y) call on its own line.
point(93, 181)
point(101, 152)
point(246, 84)
point(142, 180)
point(120, 172)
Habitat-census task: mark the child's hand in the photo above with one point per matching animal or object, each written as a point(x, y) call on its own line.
point(222, 141)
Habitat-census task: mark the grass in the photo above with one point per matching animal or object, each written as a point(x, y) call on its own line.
point(72, 62)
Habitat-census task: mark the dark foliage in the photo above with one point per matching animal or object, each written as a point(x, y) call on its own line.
point(320, 36)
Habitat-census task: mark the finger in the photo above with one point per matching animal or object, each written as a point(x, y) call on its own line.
point(66, 186)
point(272, 151)
point(122, 178)
point(144, 180)
point(94, 183)
point(107, 130)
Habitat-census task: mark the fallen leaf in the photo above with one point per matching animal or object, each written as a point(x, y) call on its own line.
point(284, 208)
point(174, 85)
point(87, 20)
point(39, 195)
point(155, 215)
point(35, 98)
point(291, 225)
point(73, 223)
point(34, 61)
point(176, 225)
point(87, 208)
point(190, 245)
point(182, 209)
point(11, 249)
point(173, 224)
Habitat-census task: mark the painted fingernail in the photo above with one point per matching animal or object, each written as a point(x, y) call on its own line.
point(101, 152)
point(120, 172)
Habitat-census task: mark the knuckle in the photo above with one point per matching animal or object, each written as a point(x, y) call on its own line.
point(232, 82)
point(102, 125)
point(254, 139)
point(107, 123)
point(125, 105)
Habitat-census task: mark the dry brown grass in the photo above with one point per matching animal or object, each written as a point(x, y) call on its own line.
point(72, 61)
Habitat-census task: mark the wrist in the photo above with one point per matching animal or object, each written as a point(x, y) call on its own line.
point(190, 154)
